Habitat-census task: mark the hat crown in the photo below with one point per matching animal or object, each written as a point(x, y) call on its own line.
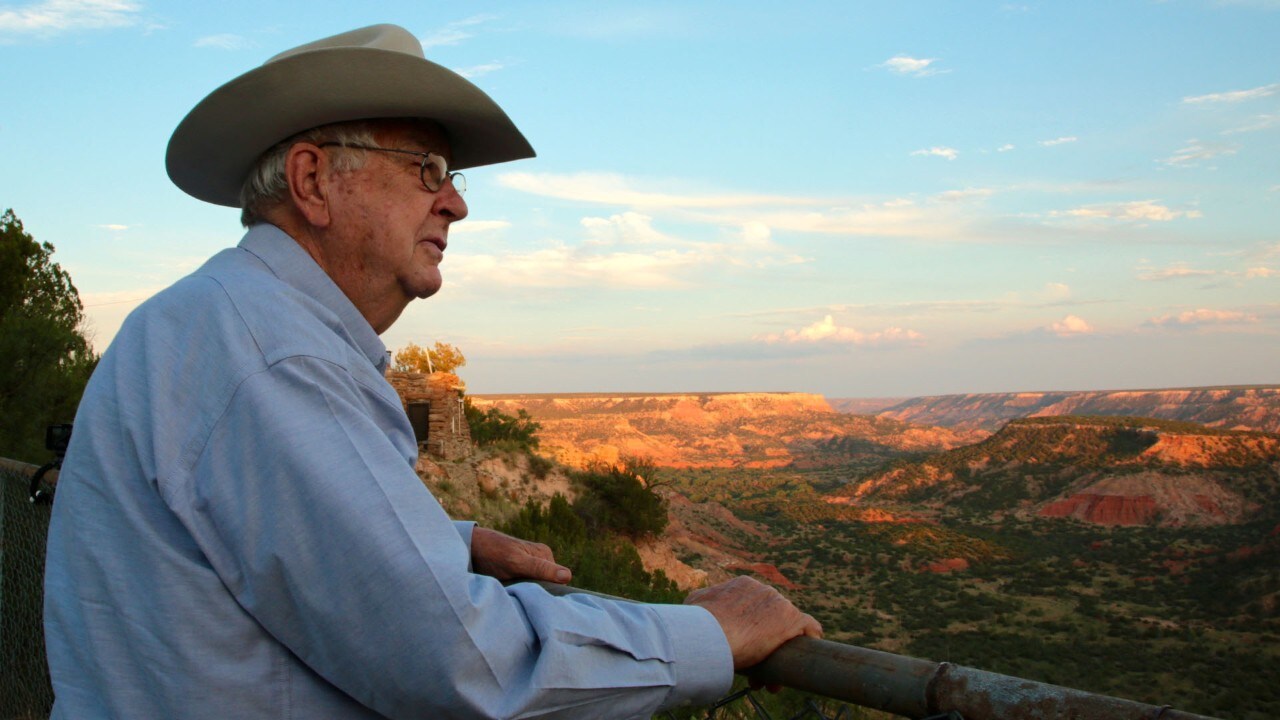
point(375, 37)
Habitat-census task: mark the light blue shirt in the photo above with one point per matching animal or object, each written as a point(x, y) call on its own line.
point(239, 532)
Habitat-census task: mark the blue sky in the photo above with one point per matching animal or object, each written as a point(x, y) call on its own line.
point(852, 198)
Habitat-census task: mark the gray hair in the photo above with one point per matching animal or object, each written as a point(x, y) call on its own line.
point(266, 185)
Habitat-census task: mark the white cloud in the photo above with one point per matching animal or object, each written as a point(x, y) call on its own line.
point(1069, 326)
point(1204, 316)
point(565, 266)
point(887, 219)
point(454, 32)
point(611, 189)
point(620, 251)
point(55, 16)
point(906, 65)
point(1234, 96)
point(943, 217)
point(963, 195)
point(628, 228)
point(946, 152)
point(114, 227)
point(1057, 291)
point(476, 71)
point(1259, 122)
point(472, 227)
point(1006, 147)
point(1197, 151)
point(1059, 141)
point(827, 331)
point(225, 41)
point(1137, 211)
point(1180, 270)
point(1173, 272)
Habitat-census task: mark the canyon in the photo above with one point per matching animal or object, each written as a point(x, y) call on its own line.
point(715, 430)
point(1239, 408)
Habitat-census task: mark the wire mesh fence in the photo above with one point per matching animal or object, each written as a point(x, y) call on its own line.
point(25, 692)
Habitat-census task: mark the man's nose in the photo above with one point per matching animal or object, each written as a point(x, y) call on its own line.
point(450, 203)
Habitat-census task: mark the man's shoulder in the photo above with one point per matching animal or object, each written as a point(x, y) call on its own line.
point(234, 303)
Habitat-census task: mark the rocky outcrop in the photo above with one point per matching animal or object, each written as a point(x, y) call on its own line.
point(1153, 498)
point(948, 565)
point(1106, 509)
point(1232, 408)
point(1103, 470)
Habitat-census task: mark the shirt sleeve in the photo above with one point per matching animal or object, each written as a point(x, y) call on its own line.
point(322, 531)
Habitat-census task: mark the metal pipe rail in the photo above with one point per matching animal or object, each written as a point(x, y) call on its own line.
point(918, 688)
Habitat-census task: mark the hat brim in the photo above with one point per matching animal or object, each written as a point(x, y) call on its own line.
point(218, 142)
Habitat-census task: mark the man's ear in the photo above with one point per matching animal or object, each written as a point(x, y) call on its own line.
point(306, 170)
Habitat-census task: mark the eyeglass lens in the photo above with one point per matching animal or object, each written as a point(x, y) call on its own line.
point(435, 172)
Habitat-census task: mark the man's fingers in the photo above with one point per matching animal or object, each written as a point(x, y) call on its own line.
point(540, 569)
point(812, 627)
point(560, 573)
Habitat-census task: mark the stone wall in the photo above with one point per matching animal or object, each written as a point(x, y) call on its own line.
point(448, 436)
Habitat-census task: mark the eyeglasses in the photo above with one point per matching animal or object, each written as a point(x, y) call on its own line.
point(433, 171)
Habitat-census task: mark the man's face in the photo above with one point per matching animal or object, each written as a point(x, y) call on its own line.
point(389, 231)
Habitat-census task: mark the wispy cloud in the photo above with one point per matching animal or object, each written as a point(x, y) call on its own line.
point(1204, 316)
point(1174, 272)
point(455, 32)
point(907, 65)
point(945, 152)
point(1196, 152)
point(568, 267)
point(1059, 141)
point(474, 227)
point(1182, 271)
point(827, 331)
point(1069, 326)
point(225, 41)
point(948, 215)
point(1137, 211)
point(56, 16)
point(476, 71)
point(1056, 291)
point(1006, 147)
point(619, 251)
point(1259, 122)
point(964, 195)
point(612, 189)
point(1234, 96)
point(114, 227)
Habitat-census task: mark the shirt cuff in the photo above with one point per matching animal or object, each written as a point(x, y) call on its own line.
point(703, 662)
point(464, 528)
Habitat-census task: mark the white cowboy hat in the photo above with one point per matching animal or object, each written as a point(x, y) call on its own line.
point(373, 72)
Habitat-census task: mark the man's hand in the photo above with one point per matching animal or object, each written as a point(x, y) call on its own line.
point(507, 558)
point(756, 619)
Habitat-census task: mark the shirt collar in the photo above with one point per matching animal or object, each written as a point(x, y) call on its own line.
point(293, 265)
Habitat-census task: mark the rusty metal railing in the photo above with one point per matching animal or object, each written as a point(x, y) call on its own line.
point(917, 688)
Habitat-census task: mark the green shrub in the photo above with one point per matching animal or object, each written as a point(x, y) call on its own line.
point(600, 561)
point(492, 426)
point(616, 498)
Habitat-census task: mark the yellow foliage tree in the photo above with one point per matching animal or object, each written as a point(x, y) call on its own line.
point(443, 357)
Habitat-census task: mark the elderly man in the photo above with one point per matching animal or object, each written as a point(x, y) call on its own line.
point(239, 531)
